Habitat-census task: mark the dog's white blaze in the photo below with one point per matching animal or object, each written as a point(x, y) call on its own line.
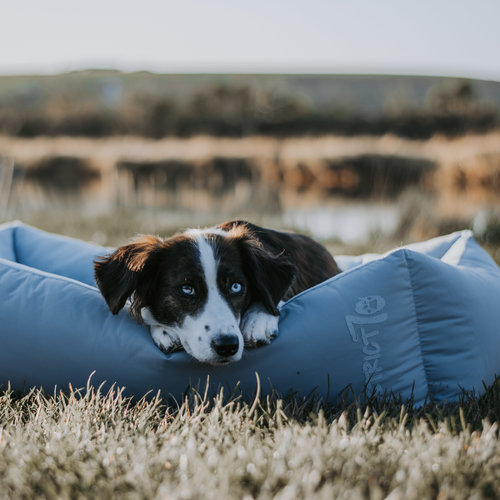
point(208, 263)
point(198, 233)
point(216, 318)
point(197, 332)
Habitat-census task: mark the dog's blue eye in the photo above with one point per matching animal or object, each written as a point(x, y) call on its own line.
point(236, 288)
point(187, 290)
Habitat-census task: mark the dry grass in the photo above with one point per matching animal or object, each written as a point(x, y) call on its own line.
point(438, 148)
point(290, 172)
point(85, 444)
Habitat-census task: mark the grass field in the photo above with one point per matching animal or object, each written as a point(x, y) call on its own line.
point(92, 445)
point(454, 179)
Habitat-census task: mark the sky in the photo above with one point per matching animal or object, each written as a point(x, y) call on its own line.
point(439, 37)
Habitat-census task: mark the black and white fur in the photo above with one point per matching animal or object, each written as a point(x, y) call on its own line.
point(211, 291)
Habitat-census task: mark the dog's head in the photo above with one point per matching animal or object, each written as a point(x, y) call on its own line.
point(195, 286)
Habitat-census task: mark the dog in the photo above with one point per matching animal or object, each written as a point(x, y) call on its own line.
point(212, 291)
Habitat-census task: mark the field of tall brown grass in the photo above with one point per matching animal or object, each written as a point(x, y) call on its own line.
point(455, 178)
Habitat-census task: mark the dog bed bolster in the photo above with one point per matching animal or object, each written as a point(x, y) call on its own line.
point(420, 320)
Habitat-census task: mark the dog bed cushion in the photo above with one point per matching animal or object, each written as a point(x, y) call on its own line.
point(420, 320)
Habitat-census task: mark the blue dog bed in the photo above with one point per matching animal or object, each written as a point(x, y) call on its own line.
point(419, 320)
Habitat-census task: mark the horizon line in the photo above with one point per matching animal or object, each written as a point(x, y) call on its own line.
point(252, 71)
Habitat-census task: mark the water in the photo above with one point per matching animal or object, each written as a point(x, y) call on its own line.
point(350, 223)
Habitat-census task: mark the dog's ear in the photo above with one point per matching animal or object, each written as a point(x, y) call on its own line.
point(270, 276)
point(123, 272)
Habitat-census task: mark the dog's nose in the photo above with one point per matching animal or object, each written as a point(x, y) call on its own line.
point(226, 345)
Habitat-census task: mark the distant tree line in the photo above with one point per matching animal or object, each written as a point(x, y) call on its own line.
point(238, 111)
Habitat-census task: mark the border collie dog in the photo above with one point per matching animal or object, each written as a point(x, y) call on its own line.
point(213, 290)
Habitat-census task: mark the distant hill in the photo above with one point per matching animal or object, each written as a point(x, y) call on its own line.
point(101, 102)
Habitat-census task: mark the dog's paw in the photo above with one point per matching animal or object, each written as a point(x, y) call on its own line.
point(258, 326)
point(166, 341)
point(163, 340)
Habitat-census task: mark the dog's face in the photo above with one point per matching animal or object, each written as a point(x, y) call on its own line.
point(194, 287)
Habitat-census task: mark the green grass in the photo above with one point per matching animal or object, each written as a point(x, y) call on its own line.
point(84, 444)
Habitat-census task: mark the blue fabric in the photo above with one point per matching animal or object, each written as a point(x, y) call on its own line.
point(417, 320)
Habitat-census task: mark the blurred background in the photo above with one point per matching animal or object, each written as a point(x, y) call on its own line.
point(363, 124)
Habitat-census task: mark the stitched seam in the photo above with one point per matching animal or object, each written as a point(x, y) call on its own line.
point(410, 279)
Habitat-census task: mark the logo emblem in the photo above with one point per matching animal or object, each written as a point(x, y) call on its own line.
point(371, 304)
point(364, 327)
